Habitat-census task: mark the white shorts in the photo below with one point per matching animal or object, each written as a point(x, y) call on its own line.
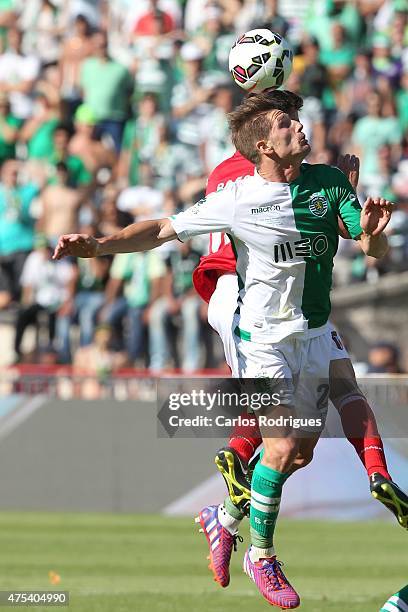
point(304, 363)
point(297, 371)
point(221, 309)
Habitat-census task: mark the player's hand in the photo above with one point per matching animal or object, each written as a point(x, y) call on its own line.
point(77, 245)
point(350, 166)
point(375, 215)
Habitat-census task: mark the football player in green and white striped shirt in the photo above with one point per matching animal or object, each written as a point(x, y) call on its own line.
point(283, 224)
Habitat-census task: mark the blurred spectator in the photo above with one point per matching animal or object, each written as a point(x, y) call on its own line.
point(8, 18)
point(383, 63)
point(111, 219)
point(106, 86)
point(338, 59)
point(18, 73)
point(190, 101)
point(381, 182)
point(43, 22)
point(358, 86)
point(95, 153)
point(59, 206)
point(314, 74)
point(9, 129)
point(44, 288)
point(82, 303)
point(179, 306)
point(38, 130)
point(324, 14)
point(94, 11)
point(141, 139)
point(78, 175)
point(216, 135)
point(175, 169)
point(402, 101)
point(171, 8)
point(215, 41)
point(194, 14)
point(95, 362)
point(16, 230)
point(370, 133)
point(383, 358)
point(144, 201)
point(49, 84)
point(140, 277)
point(146, 23)
point(340, 134)
point(153, 68)
point(400, 181)
point(270, 18)
point(398, 34)
point(75, 49)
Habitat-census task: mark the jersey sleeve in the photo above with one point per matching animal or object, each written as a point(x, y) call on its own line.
point(214, 213)
point(348, 206)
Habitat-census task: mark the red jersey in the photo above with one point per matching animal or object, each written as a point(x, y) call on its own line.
point(221, 258)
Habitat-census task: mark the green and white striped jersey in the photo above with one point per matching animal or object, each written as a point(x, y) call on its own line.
point(285, 236)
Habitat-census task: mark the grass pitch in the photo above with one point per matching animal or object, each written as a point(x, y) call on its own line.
point(132, 563)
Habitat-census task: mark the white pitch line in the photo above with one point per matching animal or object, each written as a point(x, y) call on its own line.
point(20, 415)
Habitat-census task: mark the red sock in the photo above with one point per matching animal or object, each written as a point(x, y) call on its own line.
point(360, 427)
point(371, 454)
point(245, 439)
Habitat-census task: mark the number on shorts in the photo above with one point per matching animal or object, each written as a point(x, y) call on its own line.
point(337, 340)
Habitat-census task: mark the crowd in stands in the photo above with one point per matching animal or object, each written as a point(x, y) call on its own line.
point(114, 111)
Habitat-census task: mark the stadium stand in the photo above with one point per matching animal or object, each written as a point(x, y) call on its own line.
point(105, 110)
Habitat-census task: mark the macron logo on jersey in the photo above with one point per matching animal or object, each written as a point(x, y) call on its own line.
point(265, 209)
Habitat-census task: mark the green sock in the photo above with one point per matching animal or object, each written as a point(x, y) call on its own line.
point(233, 510)
point(265, 501)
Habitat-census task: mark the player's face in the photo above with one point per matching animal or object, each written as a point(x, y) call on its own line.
point(286, 138)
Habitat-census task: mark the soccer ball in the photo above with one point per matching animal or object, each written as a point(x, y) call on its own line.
point(260, 59)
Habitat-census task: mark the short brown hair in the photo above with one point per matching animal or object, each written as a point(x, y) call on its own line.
point(249, 123)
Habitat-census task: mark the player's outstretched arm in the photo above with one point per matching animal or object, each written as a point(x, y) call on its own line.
point(374, 218)
point(142, 236)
